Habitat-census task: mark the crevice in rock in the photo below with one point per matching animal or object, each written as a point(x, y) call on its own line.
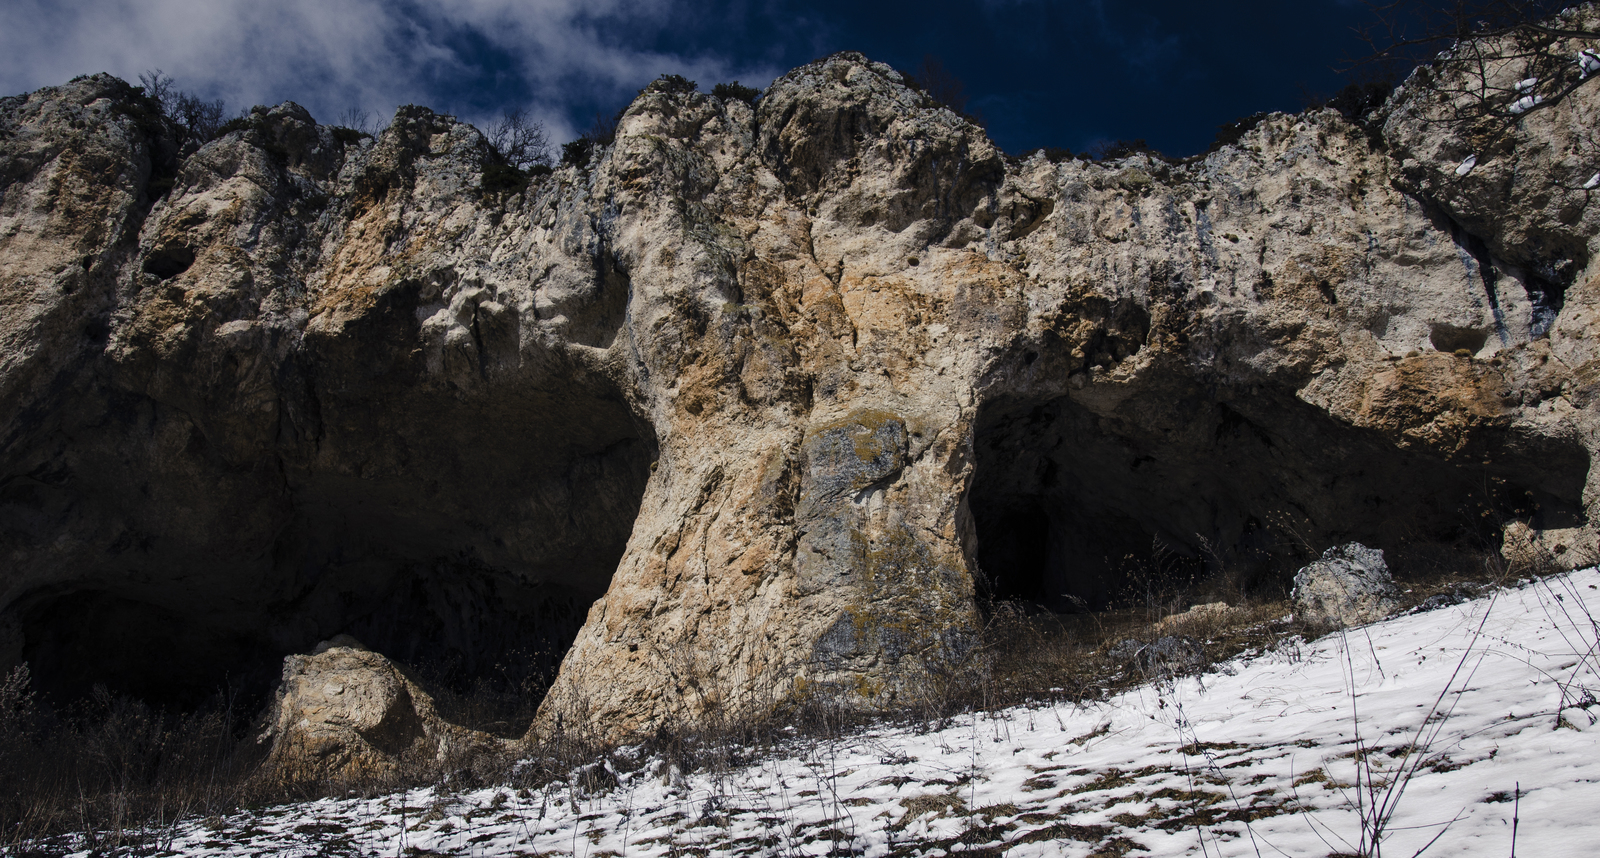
point(1479, 253)
point(1545, 283)
point(597, 325)
point(168, 262)
point(1073, 509)
point(1548, 295)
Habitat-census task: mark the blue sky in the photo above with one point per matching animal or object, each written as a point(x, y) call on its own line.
point(1065, 74)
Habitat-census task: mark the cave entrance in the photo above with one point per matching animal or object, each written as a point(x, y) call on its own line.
point(466, 540)
point(1075, 510)
point(1045, 549)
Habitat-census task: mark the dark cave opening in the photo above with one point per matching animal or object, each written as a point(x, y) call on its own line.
point(76, 640)
point(1076, 510)
point(474, 566)
point(1016, 545)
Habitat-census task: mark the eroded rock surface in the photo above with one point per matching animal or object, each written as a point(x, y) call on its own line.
point(776, 394)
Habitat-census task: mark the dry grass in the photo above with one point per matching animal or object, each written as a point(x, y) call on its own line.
point(117, 774)
point(120, 773)
point(1029, 654)
point(1042, 656)
point(113, 768)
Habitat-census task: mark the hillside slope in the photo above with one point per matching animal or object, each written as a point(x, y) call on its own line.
point(1455, 720)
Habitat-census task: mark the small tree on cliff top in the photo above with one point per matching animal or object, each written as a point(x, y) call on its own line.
point(520, 140)
point(198, 120)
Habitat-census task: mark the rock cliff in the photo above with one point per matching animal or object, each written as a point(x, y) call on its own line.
point(765, 398)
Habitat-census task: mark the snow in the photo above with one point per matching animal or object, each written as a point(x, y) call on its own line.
point(1588, 62)
point(1467, 165)
point(1270, 754)
point(1527, 83)
point(1526, 103)
point(1594, 182)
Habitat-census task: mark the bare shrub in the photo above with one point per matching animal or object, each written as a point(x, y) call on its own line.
point(736, 92)
point(358, 120)
point(939, 84)
point(520, 139)
point(577, 152)
point(1112, 150)
point(112, 769)
point(198, 120)
point(603, 130)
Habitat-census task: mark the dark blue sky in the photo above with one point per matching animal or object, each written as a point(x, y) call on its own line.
point(1067, 73)
point(1063, 73)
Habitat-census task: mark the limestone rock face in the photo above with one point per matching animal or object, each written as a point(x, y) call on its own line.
point(344, 711)
point(269, 426)
point(1349, 585)
point(763, 402)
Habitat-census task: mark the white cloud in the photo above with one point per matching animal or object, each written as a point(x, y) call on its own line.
point(331, 55)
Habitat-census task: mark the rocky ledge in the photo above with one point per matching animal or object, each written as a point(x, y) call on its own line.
point(763, 399)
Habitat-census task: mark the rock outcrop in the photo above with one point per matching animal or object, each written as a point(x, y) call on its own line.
point(776, 394)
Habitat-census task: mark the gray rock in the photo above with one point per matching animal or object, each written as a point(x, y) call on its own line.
point(1434, 603)
point(1128, 650)
point(1172, 655)
point(1167, 656)
point(1349, 586)
point(1455, 596)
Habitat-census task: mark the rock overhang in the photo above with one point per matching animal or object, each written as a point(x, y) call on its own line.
point(787, 358)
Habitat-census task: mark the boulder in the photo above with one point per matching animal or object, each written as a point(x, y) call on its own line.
point(1530, 551)
point(343, 712)
point(1163, 658)
point(1349, 586)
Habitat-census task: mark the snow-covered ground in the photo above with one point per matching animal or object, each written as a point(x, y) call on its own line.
point(1277, 753)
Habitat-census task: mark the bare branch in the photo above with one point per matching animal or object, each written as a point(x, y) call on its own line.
point(1414, 30)
point(939, 83)
point(357, 119)
point(1501, 60)
point(157, 85)
point(198, 120)
point(520, 140)
point(604, 130)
